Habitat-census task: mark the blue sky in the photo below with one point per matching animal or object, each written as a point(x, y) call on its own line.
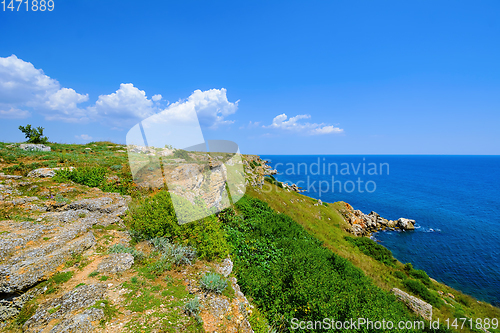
point(277, 77)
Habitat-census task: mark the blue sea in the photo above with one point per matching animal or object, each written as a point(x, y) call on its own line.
point(455, 201)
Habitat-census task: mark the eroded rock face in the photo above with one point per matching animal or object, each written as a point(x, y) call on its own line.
point(415, 304)
point(33, 265)
point(71, 308)
point(33, 252)
point(80, 323)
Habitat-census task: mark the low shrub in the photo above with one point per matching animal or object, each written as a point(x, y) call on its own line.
point(372, 249)
point(419, 289)
point(272, 180)
point(178, 254)
point(420, 275)
point(120, 248)
point(193, 307)
point(155, 217)
point(213, 282)
point(88, 176)
point(60, 199)
point(399, 275)
point(159, 266)
point(95, 177)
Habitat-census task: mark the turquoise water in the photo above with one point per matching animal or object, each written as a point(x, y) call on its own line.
point(455, 201)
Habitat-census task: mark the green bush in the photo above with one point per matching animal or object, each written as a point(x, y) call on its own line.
point(419, 289)
point(421, 275)
point(34, 135)
point(60, 199)
point(193, 308)
point(372, 249)
point(155, 217)
point(89, 176)
point(178, 254)
point(408, 267)
point(399, 275)
point(213, 282)
point(272, 180)
point(290, 274)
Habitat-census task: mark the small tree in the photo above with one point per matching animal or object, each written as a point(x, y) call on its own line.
point(34, 135)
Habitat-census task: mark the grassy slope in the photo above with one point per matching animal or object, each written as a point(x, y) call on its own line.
point(328, 225)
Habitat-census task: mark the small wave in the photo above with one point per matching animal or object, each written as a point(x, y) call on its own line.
point(430, 230)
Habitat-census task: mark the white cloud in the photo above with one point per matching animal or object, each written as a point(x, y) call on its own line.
point(293, 124)
point(211, 106)
point(326, 130)
point(14, 113)
point(125, 107)
point(84, 137)
point(22, 85)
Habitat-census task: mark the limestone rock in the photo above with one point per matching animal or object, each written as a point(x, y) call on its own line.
point(64, 308)
point(3, 176)
point(38, 264)
point(415, 304)
point(45, 172)
point(405, 224)
point(226, 267)
point(80, 323)
point(34, 147)
point(115, 263)
point(365, 224)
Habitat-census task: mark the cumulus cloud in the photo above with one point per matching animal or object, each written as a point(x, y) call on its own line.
point(14, 113)
point(211, 106)
point(294, 124)
point(126, 106)
point(84, 137)
point(24, 88)
point(326, 130)
point(22, 85)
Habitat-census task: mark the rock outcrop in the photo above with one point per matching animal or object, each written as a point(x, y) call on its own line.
point(256, 169)
point(116, 263)
point(45, 172)
point(415, 304)
point(365, 224)
point(34, 147)
point(72, 309)
point(33, 252)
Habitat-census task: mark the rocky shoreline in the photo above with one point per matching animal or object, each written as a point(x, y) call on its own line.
point(365, 224)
